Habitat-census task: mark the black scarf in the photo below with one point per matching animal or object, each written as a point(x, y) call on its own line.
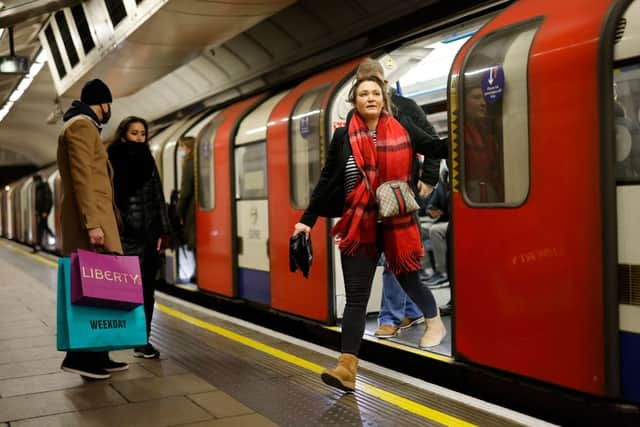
point(133, 166)
point(78, 108)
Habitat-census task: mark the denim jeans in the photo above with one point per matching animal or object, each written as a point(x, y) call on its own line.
point(396, 305)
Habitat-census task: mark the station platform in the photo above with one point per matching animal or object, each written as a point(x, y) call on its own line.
point(214, 370)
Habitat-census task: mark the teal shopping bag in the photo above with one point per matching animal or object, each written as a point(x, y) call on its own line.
point(82, 327)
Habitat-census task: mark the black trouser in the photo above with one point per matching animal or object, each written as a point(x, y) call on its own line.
point(42, 225)
point(358, 272)
point(149, 264)
point(87, 358)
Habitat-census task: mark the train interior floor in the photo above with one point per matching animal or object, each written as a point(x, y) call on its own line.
point(214, 370)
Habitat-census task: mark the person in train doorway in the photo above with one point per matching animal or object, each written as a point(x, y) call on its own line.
point(374, 142)
point(44, 203)
point(397, 310)
point(139, 197)
point(186, 208)
point(88, 215)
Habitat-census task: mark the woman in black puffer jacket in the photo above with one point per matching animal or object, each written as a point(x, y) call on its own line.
point(139, 197)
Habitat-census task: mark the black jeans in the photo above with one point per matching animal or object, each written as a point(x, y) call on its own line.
point(42, 226)
point(358, 272)
point(149, 264)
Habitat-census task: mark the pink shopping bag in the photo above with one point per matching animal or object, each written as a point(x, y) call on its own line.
point(102, 280)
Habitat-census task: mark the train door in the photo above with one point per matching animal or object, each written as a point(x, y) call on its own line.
point(186, 259)
point(50, 178)
point(528, 257)
point(56, 185)
point(8, 197)
point(27, 211)
point(625, 124)
point(164, 147)
point(3, 213)
point(216, 237)
point(294, 170)
point(251, 203)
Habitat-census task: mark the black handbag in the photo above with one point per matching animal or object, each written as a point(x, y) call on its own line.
point(300, 254)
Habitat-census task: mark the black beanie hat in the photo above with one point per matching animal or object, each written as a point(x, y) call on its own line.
point(95, 92)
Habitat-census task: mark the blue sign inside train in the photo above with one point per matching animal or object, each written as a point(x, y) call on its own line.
point(493, 84)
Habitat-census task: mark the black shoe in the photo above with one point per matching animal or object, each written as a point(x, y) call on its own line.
point(148, 352)
point(86, 371)
point(113, 366)
point(447, 309)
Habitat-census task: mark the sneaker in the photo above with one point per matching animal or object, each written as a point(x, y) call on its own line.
point(113, 366)
point(148, 352)
point(386, 331)
point(85, 371)
point(438, 280)
point(407, 323)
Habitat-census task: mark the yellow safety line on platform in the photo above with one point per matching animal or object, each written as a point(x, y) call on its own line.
point(29, 254)
point(392, 398)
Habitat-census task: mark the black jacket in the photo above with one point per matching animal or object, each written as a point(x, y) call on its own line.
point(140, 199)
point(44, 198)
point(328, 196)
point(409, 109)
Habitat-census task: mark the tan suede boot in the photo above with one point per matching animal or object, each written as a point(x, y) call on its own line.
point(434, 332)
point(344, 375)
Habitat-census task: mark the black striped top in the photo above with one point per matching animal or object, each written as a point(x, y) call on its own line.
point(352, 175)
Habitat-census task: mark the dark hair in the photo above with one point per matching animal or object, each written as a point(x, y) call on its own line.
point(121, 131)
point(385, 94)
point(37, 177)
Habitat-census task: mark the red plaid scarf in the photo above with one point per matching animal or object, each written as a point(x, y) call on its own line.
point(390, 158)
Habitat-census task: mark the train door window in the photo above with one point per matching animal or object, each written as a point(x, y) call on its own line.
point(205, 179)
point(495, 122)
point(627, 123)
point(306, 148)
point(251, 166)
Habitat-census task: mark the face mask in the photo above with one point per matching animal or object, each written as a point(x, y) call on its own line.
point(106, 115)
point(181, 154)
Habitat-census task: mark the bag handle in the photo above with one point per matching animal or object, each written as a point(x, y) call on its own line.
point(366, 180)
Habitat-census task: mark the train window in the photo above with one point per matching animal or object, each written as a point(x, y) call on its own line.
point(627, 123)
point(55, 52)
point(63, 27)
point(306, 148)
point(82, 25)
point(495, 123)
point(251, 166)
point(206, 166)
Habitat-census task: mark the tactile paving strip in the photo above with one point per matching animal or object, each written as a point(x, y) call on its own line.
point(288, 394)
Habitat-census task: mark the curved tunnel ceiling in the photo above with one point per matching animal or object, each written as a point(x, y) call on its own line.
point(307, 34)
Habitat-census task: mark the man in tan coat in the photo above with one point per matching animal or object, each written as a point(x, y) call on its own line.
point(88, 213)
